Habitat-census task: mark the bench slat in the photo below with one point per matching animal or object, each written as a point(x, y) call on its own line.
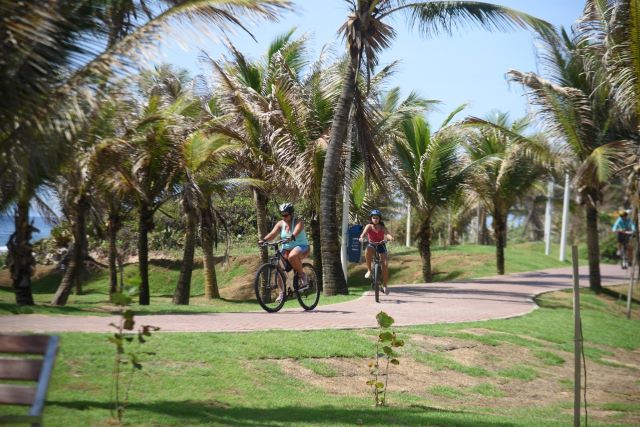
point(20, 369)
point(16, 394)
point(24, 344)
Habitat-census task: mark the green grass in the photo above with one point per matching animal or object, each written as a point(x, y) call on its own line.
point(319, 367)
point(549, 358)
point(247, 379)
point(488, 390)
point(520, 372)
point(445, 391)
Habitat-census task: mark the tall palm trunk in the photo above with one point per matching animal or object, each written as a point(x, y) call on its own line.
point(211, 290)
point(500, 234)
point(113, 225)
point(317, 249)
point(75, 270)
point(82, 211)
point(424, 246)
point(183, 288)
point(483, 232)
point(20, 256)
point(145, 225)
point(260, 201)
point(593, 247)
point(334, 280)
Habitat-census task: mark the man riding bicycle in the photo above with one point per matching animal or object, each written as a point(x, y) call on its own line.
point(376, 232)
point(624, 227)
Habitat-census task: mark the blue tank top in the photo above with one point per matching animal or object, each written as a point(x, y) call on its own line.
point(301, 240)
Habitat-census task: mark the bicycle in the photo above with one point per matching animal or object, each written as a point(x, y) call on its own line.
point(376, 269)
point(271, 282)
point(624, 251)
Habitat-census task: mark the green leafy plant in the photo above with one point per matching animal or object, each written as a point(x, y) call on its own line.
point(385, 355)
point(127, 342)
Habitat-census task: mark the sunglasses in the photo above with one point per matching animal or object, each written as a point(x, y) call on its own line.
point(285, 213)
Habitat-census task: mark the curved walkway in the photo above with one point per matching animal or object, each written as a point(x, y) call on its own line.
point(442, 302)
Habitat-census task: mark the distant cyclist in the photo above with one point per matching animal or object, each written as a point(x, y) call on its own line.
point(624, 227)
point(376, 232)
point(297, 248)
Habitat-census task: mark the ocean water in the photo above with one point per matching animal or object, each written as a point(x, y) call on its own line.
point(7, 228)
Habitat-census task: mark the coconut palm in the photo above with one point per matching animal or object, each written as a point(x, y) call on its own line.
point(367, 33)
point(506, 164)
point(244, 109)
point(427, 170)
point(577, 109)
point(204, 163)
point(58, 51)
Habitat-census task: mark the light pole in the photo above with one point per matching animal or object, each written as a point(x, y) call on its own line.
point(547, 219)
point(565, 217)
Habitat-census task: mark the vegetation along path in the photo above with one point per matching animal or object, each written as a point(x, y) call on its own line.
point(444, 302)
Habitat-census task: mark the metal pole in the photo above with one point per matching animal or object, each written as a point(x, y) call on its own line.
point(565, 217)
point(408, 239)
point(577, 338)
point(547, 219)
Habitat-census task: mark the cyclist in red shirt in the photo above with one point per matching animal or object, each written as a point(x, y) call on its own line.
point(376, 232)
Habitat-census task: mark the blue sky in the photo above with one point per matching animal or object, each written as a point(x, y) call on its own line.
point(468, 67)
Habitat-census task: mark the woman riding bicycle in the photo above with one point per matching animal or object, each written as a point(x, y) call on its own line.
point(624, 227)
point(376, 232)
point(297, 248)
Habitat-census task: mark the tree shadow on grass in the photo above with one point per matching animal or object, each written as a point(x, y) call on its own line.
point(220, 413)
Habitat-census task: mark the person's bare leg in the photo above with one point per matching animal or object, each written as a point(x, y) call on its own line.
point(368, 256)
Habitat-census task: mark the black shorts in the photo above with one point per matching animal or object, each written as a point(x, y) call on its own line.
point(382, 249)
point(623, 238)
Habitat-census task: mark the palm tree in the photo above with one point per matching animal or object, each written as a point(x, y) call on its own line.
point(203, 162)
point(577, 109)
point(244, 109)
point(506, 164)
point(427, 169)
point(367, 34)
point(49, 80)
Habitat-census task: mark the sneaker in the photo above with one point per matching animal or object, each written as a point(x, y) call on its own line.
point(367, 274)
point(386, 290)
point(279, 299)
point(303, 283)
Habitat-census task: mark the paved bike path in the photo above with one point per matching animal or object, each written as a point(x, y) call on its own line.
point(442, 302)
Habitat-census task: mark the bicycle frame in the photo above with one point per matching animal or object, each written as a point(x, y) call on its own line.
point(375, 263)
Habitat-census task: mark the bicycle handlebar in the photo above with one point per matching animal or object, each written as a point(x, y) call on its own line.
point(381, 242)
point(274, 244)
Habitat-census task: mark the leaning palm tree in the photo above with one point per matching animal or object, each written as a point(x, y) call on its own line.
point(58, 51)
point(578, 111)
point(506, 164)
point(367, 34)
point(427, 168)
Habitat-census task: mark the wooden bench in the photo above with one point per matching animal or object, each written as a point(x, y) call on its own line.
point(22, 366)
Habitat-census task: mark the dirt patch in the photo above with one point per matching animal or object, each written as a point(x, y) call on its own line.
point(240, 288)
point(41, 271)
point(549, 384)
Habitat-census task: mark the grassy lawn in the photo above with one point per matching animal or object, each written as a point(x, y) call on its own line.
point(235, 280)
point(514, 372)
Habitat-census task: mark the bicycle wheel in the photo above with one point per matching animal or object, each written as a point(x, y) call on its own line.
point(377, 280)
point(267, 290)
point(309, 297)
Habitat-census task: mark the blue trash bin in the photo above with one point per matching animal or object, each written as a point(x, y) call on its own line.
point(354, 248)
